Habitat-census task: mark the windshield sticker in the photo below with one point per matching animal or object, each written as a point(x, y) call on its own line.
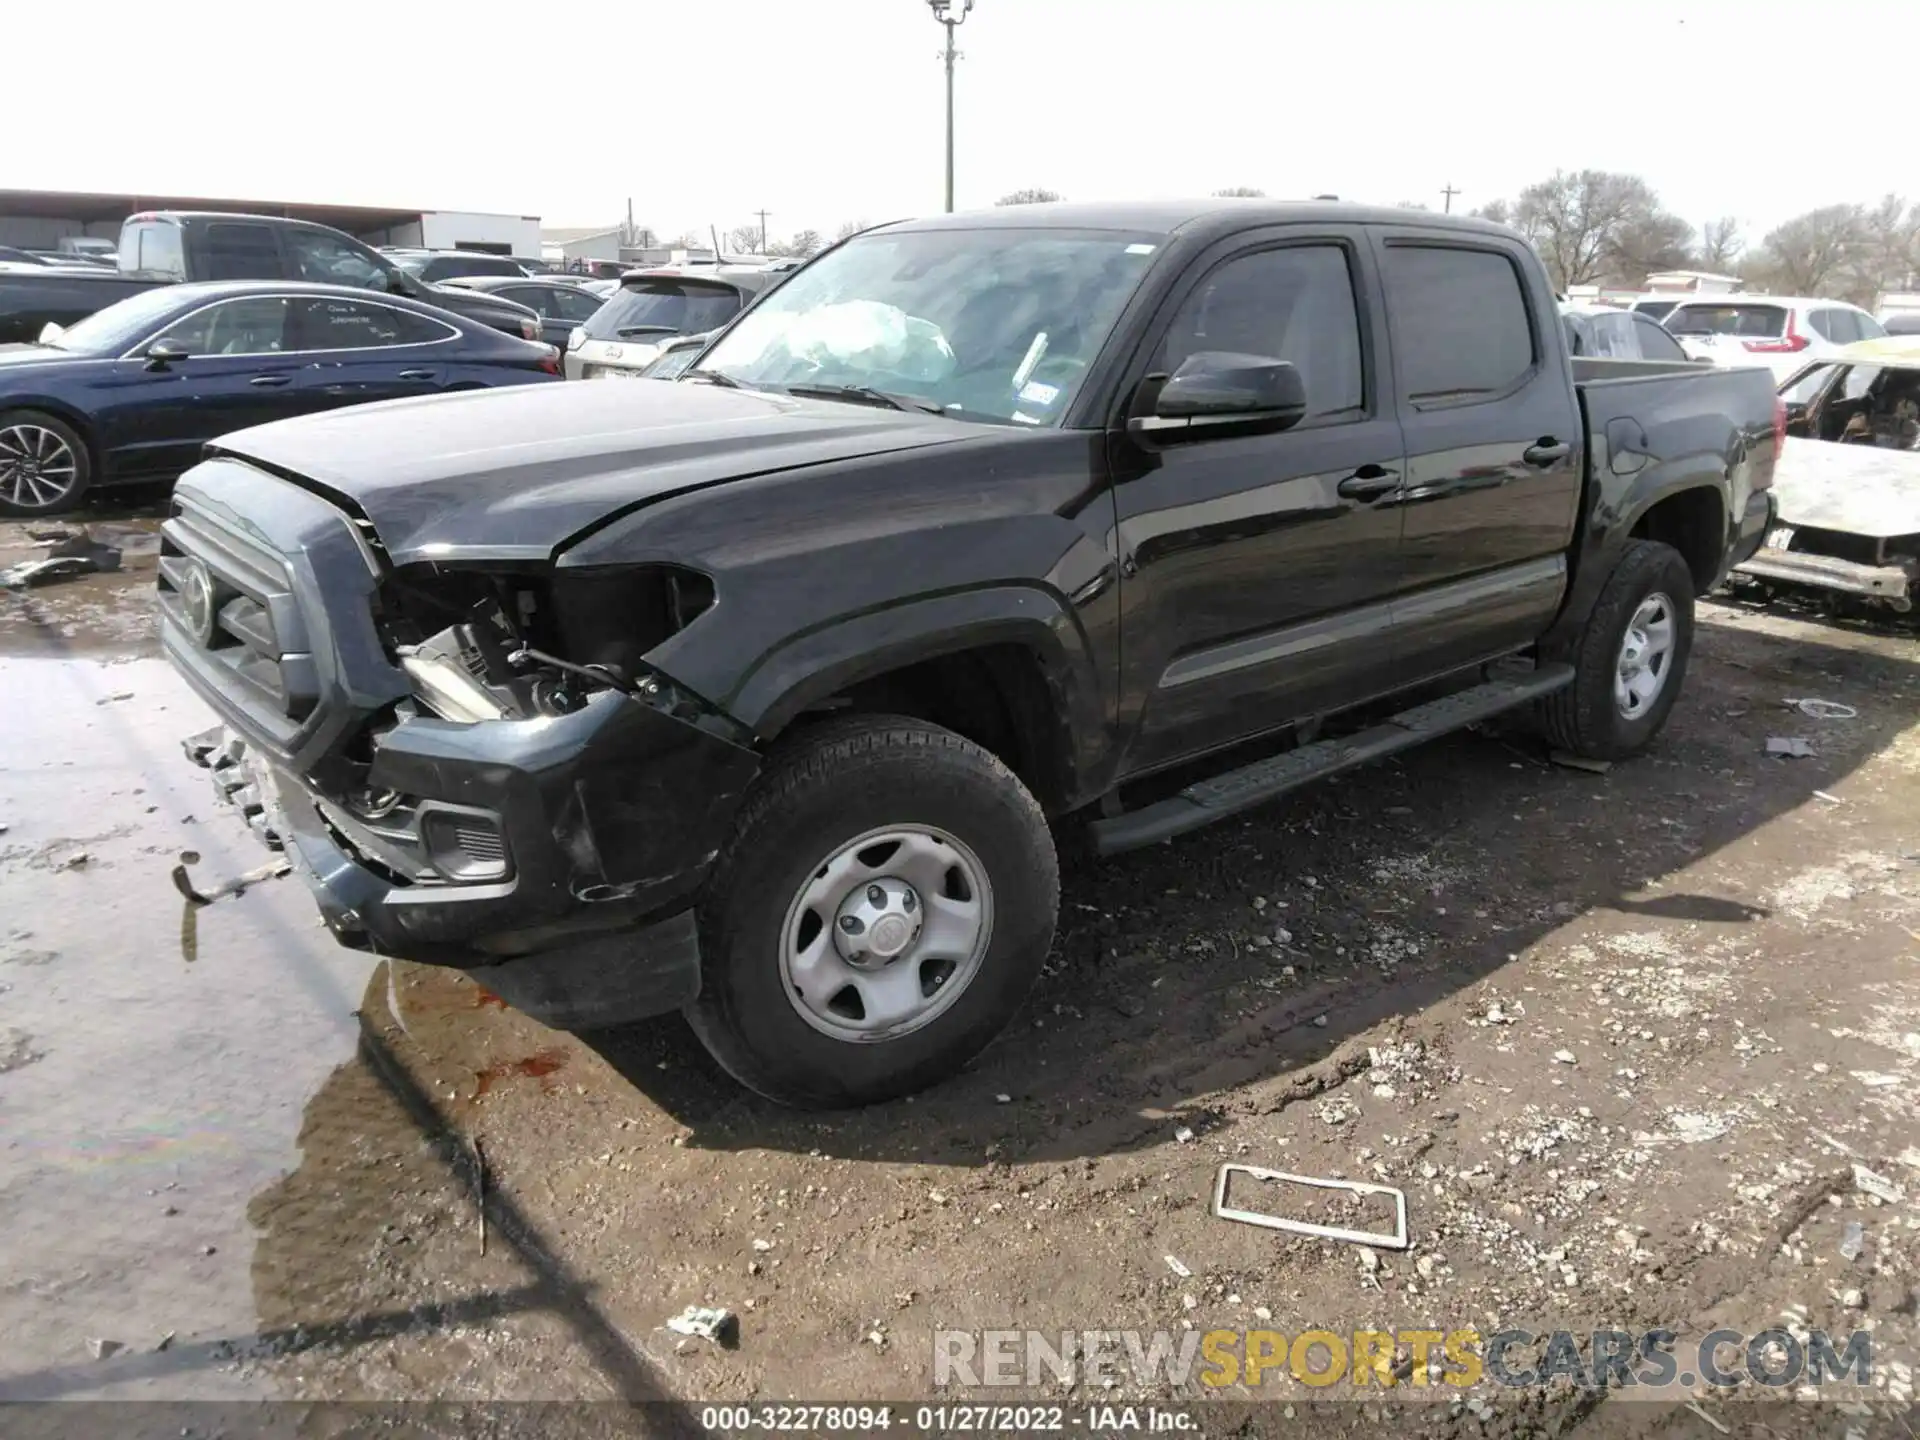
point(1141, 249)
point(1034, 393)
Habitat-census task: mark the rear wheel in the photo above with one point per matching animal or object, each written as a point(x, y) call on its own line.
point(1630, 659)
point(883, 907)
point(44, 465)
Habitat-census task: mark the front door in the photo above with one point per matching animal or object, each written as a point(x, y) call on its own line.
point(355, 351)
point(237, 372)
point(1258, 570)
point(1495, 447)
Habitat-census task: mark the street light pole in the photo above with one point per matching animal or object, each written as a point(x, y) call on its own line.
point(950, 13)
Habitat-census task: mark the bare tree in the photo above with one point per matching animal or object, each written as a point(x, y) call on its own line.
point(1411, 205)
point(1498, 211)
point(744, 239)
point(689, 240)
point(1892, 248)
point(802, 244)
point(1720, 244)
point(1030, 197)
point(850, 229)
point(1814, 251)
point(1234, 192)
point(1591, 225)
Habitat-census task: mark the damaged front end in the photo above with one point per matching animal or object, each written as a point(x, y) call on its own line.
point(487, 774)
point(1878, 570)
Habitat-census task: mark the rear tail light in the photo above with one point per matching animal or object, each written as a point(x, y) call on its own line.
point(1792, 343)
point(550, 362)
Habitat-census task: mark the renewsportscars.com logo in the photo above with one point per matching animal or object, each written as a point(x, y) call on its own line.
point(1606, 1359)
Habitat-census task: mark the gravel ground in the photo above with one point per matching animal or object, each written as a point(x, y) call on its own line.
point(1621, 1038)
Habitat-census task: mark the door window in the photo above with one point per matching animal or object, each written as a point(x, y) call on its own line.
point(573, 303)
point(1461, 330)
point(333, 260)
point(1295, 304)
point(1655, 342)
point(535, 297)
point(238, 251)
point(327, 323)
point(255, 325)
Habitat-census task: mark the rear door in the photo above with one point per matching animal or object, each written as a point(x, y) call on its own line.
point(236, 250)
point(545, 301)
point(1259, 568)
point(355, 351)
point(1495, 446)
point(238, 372)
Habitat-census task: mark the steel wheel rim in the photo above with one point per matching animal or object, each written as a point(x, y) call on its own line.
point(37, 467)
point(1646, 657)
point(894, 973)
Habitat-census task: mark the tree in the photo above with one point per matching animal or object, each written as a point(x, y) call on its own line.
point(689, 240)
point(1232, 192)
point(1814, 250)
point(1411, 205)
point(850, 229)
point(1591, 225)
point(1030, 197)
point(1498, 211)
point(1891, 236)
point(744, 239)
point(803, 242)
point(1720, 244)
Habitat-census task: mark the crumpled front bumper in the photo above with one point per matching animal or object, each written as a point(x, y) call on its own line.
point(1890, 584)
point(607, 821)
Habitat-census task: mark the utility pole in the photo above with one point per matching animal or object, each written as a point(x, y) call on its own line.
point(1450, 192)
point(950, 13)
point(763, 229)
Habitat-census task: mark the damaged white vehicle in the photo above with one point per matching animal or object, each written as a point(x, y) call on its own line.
point(1848, 479)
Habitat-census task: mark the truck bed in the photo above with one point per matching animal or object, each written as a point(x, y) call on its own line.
point(29, 302)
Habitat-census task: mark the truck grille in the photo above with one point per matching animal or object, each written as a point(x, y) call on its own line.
point(234, 598)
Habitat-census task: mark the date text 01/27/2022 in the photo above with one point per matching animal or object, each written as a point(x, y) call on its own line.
point(946, 1419)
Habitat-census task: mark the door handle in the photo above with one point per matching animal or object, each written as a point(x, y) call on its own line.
point(1546, 451)
point(416, 374)
point(268, 382)
point(1369, 482)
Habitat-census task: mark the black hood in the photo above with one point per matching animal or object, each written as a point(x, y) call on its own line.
point(515, 473)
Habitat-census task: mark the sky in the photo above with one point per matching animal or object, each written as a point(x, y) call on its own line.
point(828, 111)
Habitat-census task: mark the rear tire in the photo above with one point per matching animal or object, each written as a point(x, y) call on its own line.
point(45, 466)
point(861, 833)
point(1629, 661)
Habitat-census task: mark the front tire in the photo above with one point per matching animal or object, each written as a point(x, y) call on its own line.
point(1629, 660)
point(884, 905)
point(44, 464)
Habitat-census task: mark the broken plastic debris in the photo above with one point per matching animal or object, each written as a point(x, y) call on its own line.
point(68, 560)
point(1794, 747)
point(103, 1348)
point(1580, 762)
point(1183, 1134)
point(1397, 1240)
point(707, 1323)
point(1854, 1241)
point(182, 882)
point(1173, 1264)
point(1816, 709)
point(1871, 1182)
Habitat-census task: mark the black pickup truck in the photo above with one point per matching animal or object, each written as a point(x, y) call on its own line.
point(165, 246)
point(754, 694)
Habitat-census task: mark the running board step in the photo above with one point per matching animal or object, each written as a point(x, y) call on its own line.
point(1206, 801)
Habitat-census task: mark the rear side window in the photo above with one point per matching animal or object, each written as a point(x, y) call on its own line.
point(1460, 323)
point(1870, 328)
point(1834, 325)
point(1747, 322)
point(153, 249)
point(441, 267)
point(330, 324)
point(650, 310)
point(1658, 309)
point(241, 252)
point(1290, 304)
point(571, 302)
point(1655, 342)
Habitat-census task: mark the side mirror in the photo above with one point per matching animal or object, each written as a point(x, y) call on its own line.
point(163, 353)
point(1216, 393)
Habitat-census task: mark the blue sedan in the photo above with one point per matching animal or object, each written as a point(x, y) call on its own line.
point(131, 393)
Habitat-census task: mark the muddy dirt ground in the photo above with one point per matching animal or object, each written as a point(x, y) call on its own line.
point(1621, 1038)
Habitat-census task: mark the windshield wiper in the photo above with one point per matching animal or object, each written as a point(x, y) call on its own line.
point(714, 377)
point(865, 395)
point(643, 329)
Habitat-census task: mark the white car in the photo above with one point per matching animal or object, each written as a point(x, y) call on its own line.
point(1782, 332)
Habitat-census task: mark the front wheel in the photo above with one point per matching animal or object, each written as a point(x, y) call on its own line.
point(44, 465)
point(1629, 660)
point(883, 906)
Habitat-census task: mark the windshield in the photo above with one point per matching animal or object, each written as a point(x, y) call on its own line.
point(660, 308)
point(112, 330)
point(1749, 322)
point(989, 324)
